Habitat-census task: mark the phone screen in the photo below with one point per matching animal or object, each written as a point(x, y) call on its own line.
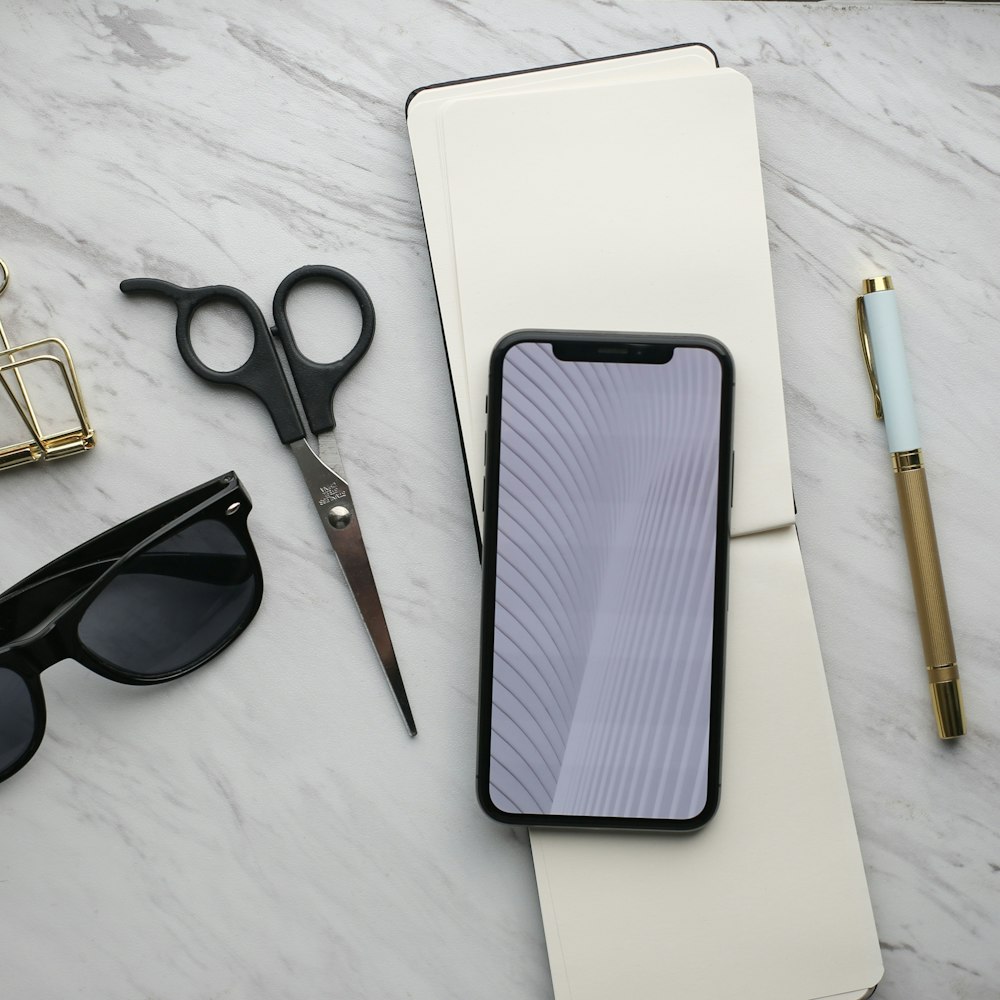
point(608, 593)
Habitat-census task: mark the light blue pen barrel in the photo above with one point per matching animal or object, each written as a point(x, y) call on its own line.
point(889, 359)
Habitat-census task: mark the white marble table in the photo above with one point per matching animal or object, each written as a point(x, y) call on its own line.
point(264, 828)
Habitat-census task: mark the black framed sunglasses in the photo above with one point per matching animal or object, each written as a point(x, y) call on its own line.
point(145, 602)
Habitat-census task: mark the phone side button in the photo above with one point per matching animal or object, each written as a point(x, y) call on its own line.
point(732, 476)
point(482, 502)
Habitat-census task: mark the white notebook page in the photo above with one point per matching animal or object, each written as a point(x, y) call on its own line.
point(637, 208)
point(425, 123)
point(769, 901)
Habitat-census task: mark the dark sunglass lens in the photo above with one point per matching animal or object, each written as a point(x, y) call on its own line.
point(174, 604)
point(17, 718)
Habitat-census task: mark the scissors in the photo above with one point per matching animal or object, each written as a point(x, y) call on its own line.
point(263, 375)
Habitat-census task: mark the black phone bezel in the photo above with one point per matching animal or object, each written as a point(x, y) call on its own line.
point(588, 340)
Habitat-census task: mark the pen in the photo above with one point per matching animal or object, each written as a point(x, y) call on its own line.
point(885, 359)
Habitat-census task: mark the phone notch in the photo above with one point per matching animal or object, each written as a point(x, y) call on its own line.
point(613, 353)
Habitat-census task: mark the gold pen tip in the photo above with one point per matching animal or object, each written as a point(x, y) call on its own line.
point(883, 283)
point(949, 711)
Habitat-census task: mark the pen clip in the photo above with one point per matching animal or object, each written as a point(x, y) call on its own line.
point(866, 350)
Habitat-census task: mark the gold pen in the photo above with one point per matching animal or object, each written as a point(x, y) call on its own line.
point(885, 359)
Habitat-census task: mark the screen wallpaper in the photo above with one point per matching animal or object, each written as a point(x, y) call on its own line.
point(605, 585)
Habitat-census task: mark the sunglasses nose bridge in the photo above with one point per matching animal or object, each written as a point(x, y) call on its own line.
point(39, 650)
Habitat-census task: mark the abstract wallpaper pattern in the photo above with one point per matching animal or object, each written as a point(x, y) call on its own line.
point(605, 585)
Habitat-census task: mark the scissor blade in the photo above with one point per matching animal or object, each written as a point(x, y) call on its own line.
point(329, 453)
point(332, 498)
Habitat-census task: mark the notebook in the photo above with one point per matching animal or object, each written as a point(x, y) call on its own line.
point(625, 194)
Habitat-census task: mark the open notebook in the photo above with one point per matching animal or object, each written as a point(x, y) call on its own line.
point(625, 194)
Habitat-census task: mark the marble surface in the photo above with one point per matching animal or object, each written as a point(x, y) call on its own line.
point(264, 828)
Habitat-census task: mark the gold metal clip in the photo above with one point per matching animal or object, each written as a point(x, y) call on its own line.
point(866, 350)
point(14, 361)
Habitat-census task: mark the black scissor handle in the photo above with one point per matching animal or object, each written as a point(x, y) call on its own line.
point(317, 383)
point(260, 374)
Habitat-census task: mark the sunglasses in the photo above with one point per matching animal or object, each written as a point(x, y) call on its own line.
point(145, 602)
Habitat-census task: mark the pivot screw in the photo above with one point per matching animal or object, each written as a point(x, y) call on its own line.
point(339, 517)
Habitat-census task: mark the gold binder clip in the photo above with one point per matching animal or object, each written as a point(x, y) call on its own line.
point(14, 365)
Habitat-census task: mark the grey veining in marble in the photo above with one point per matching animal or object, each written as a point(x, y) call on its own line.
point(264, 828)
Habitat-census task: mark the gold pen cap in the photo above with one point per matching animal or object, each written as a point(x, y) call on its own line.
point(946, 697)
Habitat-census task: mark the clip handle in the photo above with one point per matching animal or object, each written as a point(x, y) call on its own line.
point(13, 361)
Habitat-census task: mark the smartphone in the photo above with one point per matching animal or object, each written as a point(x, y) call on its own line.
point(605, 552)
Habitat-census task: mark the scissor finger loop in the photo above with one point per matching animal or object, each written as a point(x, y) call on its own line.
point(260, 374)
point(317, 382)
